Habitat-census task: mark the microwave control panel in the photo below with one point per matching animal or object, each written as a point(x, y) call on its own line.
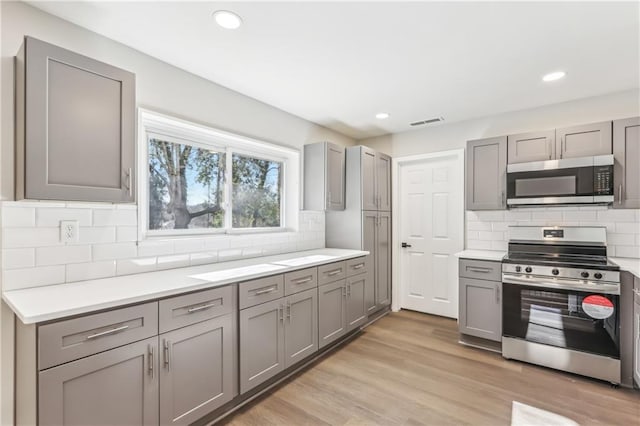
point(603, 180)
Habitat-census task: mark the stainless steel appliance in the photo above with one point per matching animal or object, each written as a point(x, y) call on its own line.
point(584, 180)
point(561, 301)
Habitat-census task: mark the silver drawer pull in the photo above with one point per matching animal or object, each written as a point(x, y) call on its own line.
point(202, 308)
point(266, 290)
point(303, 280)
point(358, 266)
point(482, 270)
point(108, 332)
point(151, 361)
point(334, 272)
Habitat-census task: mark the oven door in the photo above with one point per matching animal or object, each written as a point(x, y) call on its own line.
point(581, 320)
point(570, 185)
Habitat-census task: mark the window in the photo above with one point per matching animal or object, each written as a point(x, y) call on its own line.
point(198, 180)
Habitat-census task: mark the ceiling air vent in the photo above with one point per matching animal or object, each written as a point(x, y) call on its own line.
point(429, 121)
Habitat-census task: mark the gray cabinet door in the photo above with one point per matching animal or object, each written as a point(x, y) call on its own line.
point(531, 146)
point(301, 326)
point(335, 171)
point(487, 174)
point(636, 338)
point(584, 140)
point(115, 387)
point(261, 343)
point(197, 370)
point(356, 298)
point(369, 227)
point(331, 312)
point(383, 181)
point(78, 141)
point(368, 166)
point(480, 308)
point(626, 173)
point(383, 260)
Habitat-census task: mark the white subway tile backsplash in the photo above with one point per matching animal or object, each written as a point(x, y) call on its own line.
point(473, 235)
point(135, 266)
point(53, 216)
point(579, 216)
point(479, 245)
point(114, 251)
point(547, 215)
point(229, 254)
point(30, 237)
point(91, 270)
point(517, 216)
point(627, 251)
point(499, 245)
point(173, 261)
point(189, 245)
point(13, 217)
point(126, 233)
point(479, 226)
point(491, 236)
point(621, 215)
point(621, 239)
point(18, 258)
point(630, 228)
point(203, 258)
point(62, 255)
point(155, 248)
point(490, 215)
point(93, 235)
point(14, 279)
point(115, 217)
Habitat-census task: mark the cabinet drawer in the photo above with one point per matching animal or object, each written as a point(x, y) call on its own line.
point(332, 272)
point(481, 269)
point(298, 281)
point(65, 341)
point(356, 266)
point(192, 308)
point(261, 290)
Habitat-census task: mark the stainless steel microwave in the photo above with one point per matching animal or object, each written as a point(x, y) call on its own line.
point(584, 180)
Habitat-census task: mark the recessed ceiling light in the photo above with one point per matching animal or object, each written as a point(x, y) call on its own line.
point(227, 19)
point(382, 115)
point(553, 76)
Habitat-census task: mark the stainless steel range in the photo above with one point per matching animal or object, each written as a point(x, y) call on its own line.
point(561, 301)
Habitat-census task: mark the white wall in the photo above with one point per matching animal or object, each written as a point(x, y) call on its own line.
point(108, 229)
point(455, 135)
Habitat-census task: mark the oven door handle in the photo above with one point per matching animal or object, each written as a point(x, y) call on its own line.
point(563, 285)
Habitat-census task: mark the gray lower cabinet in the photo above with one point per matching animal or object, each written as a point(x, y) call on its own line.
point(636, 332)
point(383, 260)
point(531, 146)
point(626, 153)
point(584, 140)
point(332, 312)
point(197, 371)
point(276, 335)
point(356, 312)
point(487, 174)
point(261, 343)
point(369, 226)
point(115, 387)
point(75, 126)
point(480, 299)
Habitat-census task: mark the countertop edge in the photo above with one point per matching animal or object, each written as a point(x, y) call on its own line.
point(491, 255)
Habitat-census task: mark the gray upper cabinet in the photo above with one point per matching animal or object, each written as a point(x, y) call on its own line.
point(626, 173)
point(383, 181)
point(261, 343)
point(368, 179)
point(368, 176)
point(531, 146)
point(197, 371)
point(487, 174)
point(324, 176)
point(301, 326)
point(332, 312)
point(115, 387)
point(480, 305)
point(584, 140)
point(75, 133)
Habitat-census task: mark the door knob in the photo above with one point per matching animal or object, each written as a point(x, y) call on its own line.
point(405, 245)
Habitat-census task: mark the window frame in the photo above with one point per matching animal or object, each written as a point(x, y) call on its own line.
point(176, 130)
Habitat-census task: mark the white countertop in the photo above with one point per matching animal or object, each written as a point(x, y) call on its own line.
point(627, 264)
point(51, 302)
point(482, 254)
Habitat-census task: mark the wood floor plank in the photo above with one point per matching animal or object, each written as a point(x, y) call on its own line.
point(409, 369)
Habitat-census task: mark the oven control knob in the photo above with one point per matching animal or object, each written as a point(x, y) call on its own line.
point(584, 274)
point(528, 269)
point(555, 271)
point(518, 268)
point(597, 275)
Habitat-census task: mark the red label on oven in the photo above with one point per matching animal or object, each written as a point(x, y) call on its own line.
point(598, 307)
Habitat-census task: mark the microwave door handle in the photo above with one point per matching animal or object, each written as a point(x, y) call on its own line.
point(563, 285)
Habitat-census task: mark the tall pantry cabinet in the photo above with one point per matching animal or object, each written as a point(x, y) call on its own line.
point(365, 223)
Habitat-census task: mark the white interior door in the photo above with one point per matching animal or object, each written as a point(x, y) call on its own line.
point(431, 223)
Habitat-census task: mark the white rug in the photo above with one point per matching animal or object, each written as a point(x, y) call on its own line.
point(526, 415)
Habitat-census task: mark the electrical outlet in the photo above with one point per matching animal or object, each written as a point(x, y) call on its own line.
point(69, 231)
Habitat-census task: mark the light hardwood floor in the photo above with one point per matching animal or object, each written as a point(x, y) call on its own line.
point(409, 369)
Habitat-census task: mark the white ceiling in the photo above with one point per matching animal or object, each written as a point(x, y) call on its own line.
point(338, 64)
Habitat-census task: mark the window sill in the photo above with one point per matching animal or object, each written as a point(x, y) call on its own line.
point(186, 235)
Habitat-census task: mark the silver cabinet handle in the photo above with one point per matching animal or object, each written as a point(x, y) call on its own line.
point(281, 313)
point(358, 266)
point(265, 291)
point(497, 293)
point(289, 310)
point(151, 360)
point(167, 354)
point(620, 194)
point(549, 144)
point(128, 181)
point(202, 308)
point(348, 289)
point(478, 269)
point(503, 198)
point(303, 280)
point(108, 332)
point(334, 272)
point(344, 290)
point(561, 146)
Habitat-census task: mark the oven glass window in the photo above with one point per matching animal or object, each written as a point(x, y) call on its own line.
point(558, 318)
point(546, 186)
